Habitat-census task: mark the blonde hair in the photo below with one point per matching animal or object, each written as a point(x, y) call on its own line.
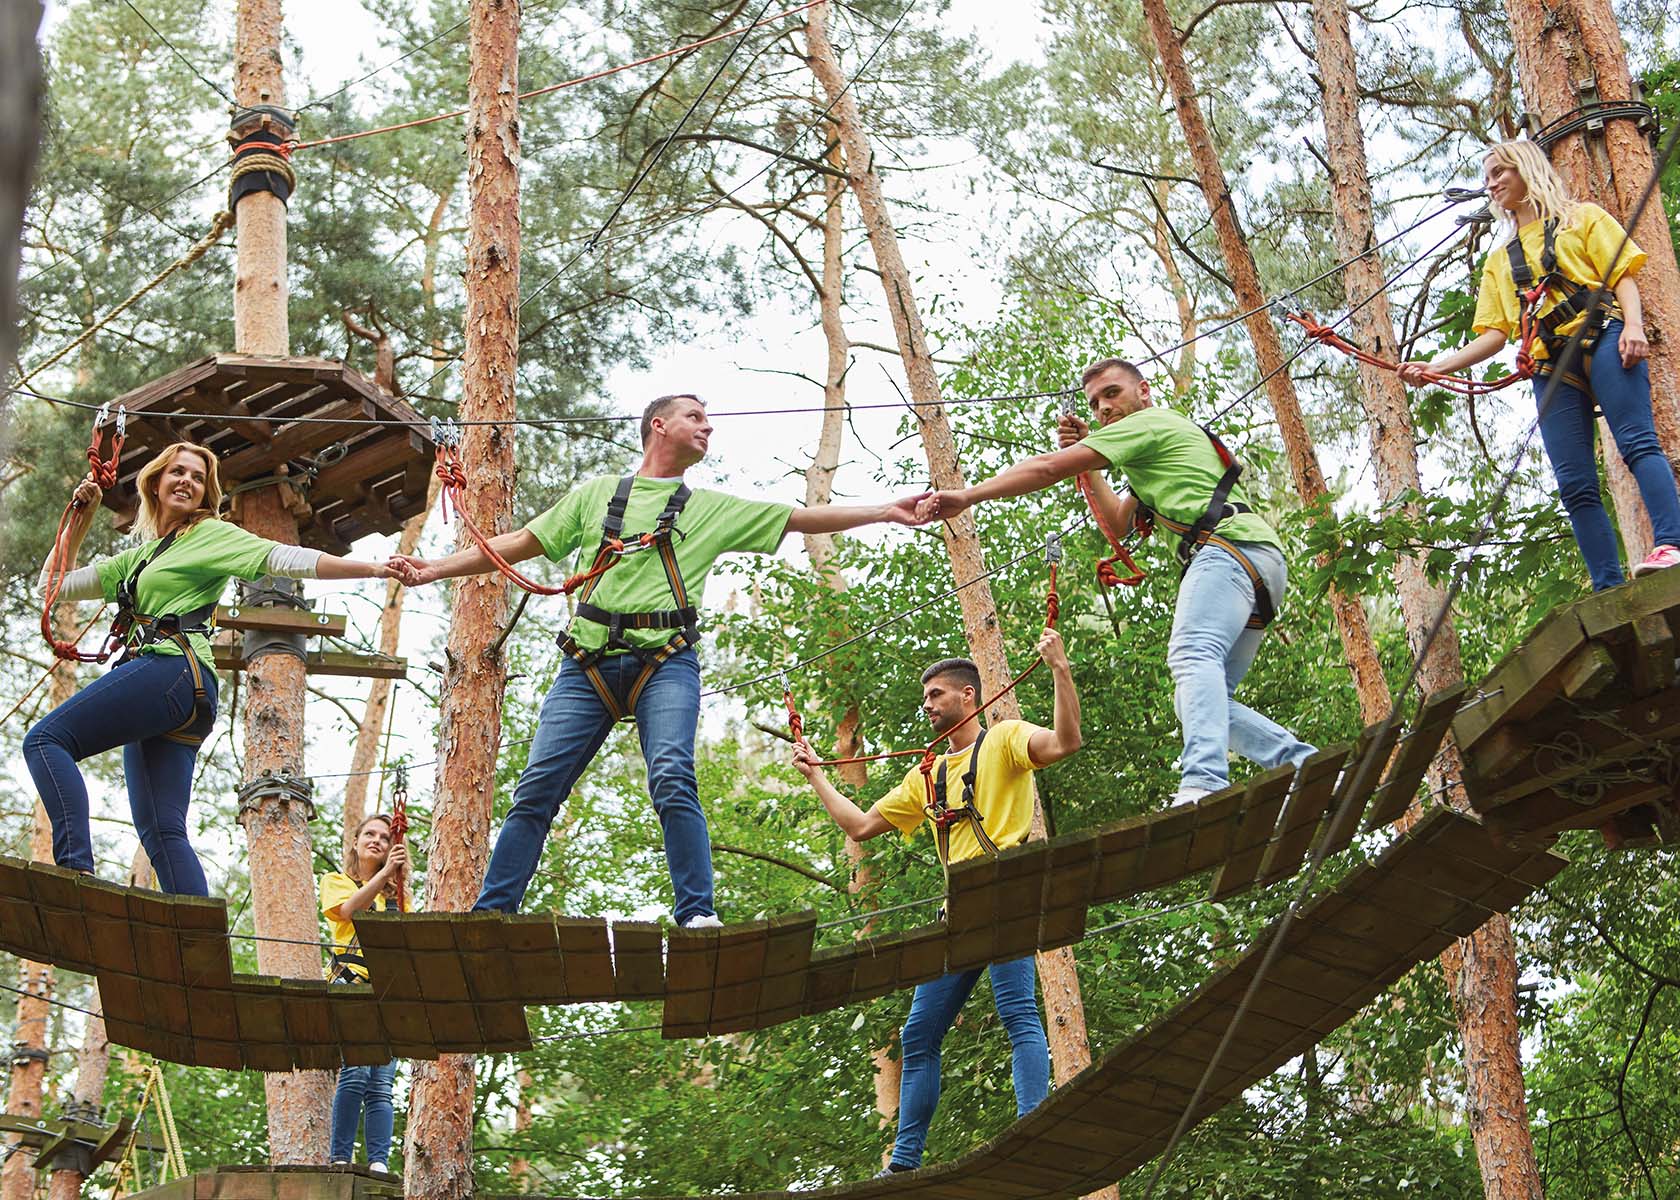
point(146, 485)
point(1546, 187)
point(353, 862)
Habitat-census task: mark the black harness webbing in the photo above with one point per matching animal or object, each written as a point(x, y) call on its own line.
point(944, 816)
point(684, 618)
point(173, 627)
point(1574, 299)
point(1191, 538)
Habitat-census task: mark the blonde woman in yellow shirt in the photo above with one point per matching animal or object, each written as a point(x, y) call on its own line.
point(1573, 247)
point(372, 879)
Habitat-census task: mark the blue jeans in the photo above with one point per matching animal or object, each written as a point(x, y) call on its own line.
point(934, 1008)
point(133, 705)
point(1566, 427)
point(571, 726)
point(1208, 654)
point(359, 1089)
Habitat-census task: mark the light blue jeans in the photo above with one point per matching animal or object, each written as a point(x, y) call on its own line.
point(363, 1090)
point(934, 1008)
point(571, 726)
point(1210, 651)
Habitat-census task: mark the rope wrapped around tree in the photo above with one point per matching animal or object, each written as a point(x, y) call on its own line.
point(102, 464)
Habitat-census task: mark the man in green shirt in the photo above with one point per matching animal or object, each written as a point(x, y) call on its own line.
point(630, 652)
point(1233, 579)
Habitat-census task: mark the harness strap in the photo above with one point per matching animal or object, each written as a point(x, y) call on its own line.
point(1574, 300)
point(943, 816)
point(1265, 609)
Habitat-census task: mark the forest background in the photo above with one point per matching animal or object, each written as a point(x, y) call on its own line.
point(1032, 260)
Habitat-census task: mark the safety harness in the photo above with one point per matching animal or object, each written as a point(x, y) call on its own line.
point(1574, 300)
point(942, 816)
point(683, 619)
point(1192, 538)
point(613, 548)
point(131, 630)
point(351, 955)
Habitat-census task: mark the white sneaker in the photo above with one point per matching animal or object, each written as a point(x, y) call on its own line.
point(1188, 794)
point(703, 921)
point(380, 1167)
point(339, 1162)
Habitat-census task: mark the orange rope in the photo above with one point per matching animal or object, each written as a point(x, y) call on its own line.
point(555, 87)
point(1107, 576)
point(1526, 333)
point(399, 830)
point(103, 467)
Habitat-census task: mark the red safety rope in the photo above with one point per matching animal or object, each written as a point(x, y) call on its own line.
point(399, 830)
point(929, 755)
point(454, 477)
point(1526, 333)
point(103, 466)
point(569, 83)
point(1107, 576)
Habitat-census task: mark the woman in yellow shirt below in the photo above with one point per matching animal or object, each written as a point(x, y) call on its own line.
point(372, 879)
point(1571, 248)
point(159, 702)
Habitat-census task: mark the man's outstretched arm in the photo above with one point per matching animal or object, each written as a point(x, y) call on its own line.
point(860, 826)
point(837, 518)
point(1029, 475)
point(515, 546)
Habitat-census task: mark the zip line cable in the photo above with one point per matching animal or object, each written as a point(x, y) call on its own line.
point(176, 51)
point(1366, 768)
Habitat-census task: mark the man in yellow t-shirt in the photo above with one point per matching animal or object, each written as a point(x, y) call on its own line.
point(985, 777)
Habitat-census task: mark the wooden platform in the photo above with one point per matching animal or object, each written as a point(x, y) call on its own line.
point(371, 480)
point(280, 1183)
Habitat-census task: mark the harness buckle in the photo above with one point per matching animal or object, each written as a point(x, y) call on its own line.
point(122, 420)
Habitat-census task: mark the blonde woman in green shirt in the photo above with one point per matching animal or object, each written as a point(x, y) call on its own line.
point(159, 701)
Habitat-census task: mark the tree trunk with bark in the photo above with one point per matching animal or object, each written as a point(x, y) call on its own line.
point(1561, 44)
point(20, 127)
point(276, 826)
point(440, 1128)
point(1481, 970)
point(1070, 1050)
point(1351, 621)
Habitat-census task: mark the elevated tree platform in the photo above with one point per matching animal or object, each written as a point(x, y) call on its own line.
point(279, 1183)
point(351, 479)
point(72, 1143)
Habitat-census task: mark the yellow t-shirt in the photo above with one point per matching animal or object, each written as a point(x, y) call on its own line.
point(1583, 244)
point(1003, 792)
point(336, 888)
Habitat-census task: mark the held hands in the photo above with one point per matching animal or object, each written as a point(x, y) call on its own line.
point(1633, 345)
point(1051, 650)
point(410, 571)
point(907, 511)
point(1071, 430)
point(943, 505)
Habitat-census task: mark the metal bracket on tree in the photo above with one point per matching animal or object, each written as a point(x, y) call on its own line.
point(1589, 117)
point(276, 592)
point(292, 789)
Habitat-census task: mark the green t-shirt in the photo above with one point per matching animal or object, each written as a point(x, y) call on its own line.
point(193, 572)
point(712, 524)
point(1170, 465)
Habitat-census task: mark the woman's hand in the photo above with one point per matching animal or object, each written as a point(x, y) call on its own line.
point(88, 494)
point(395, 861)
point(1633, 345)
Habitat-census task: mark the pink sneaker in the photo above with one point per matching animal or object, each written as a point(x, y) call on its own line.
point(1657, 560)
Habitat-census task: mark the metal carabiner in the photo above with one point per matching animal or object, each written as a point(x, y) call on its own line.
point(1053, 548)
point(102, 418)
point(122, 421)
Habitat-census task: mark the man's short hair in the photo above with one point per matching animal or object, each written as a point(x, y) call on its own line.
point(962, 670)
point(658, 408)
point(1108, 364)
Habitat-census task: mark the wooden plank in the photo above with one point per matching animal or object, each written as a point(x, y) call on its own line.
point(787, 960)
point(489, 971)
point(1121, 847)
point(1590, 673)
point(296, 440)
point(1395, 795)
point(437, 960)
point(533, 949)
point(345, 663)
point(585, 958)
point(1525, 680)
point(1020, 899)
point(202, 932)
point(971, 910)
point(1653, 655)
point(21, 931)
point(271, 619)
point(1341, 822)
point(1068, 882)
point(58, 902)
point(1170, 836)
point(829, 982)
point(1262, 803)
point(742, 953)
point(638, 949)
point(690, 977)
point(1217, 817)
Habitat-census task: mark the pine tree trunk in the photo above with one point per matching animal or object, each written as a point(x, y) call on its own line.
point(440, 1127)
point(1351, 622)
point(1481, 970)
point(1560, 43)
point(1070, 1050)
point(20, 126)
